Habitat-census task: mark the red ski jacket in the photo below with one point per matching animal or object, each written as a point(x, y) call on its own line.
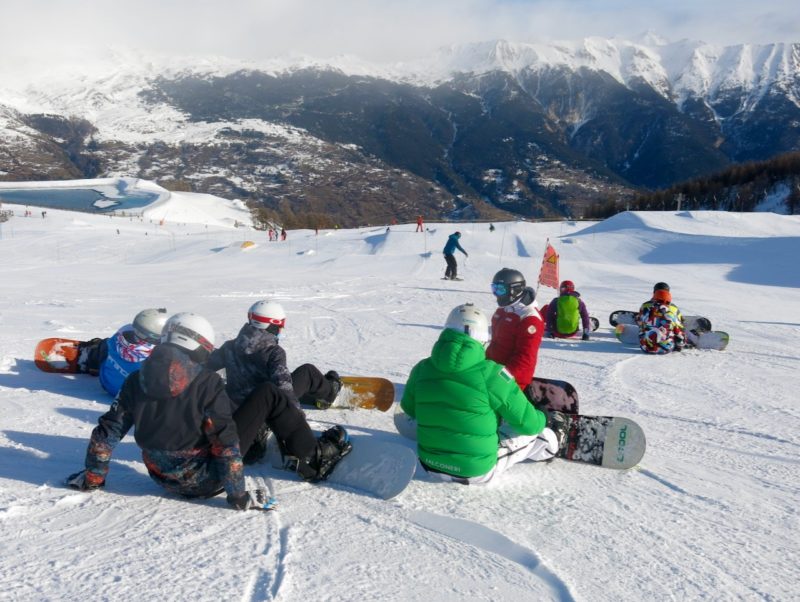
point(516, 336)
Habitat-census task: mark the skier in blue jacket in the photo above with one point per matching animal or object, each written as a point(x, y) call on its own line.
point(450, 247)
point(114, 358)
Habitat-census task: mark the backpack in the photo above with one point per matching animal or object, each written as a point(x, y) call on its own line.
point(567, 314)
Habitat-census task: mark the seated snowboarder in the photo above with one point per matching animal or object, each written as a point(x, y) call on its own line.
point(566, 315)
point(255, 358)
point(458, 398)
point(120, 355)
point(517, 327)
point(191, 439)
point(660, 323)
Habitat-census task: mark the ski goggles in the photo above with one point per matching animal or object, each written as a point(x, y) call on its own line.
point(499, 289)
point(280, 323)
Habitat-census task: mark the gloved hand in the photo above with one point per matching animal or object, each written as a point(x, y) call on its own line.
point(257, 499)
point(83, 481)
point(585, 336)
point(678, 348)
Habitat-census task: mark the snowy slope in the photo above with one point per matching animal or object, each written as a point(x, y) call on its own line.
point(710, 513)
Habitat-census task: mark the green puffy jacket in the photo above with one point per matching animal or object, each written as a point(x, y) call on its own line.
point(458, 397)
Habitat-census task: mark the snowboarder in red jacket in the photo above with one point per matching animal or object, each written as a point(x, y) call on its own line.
point(517, 327)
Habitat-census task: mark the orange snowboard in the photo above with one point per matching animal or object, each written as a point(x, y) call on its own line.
point(57, 355)
point(365, 392)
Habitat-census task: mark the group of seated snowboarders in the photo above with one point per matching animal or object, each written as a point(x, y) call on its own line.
point(196, 430)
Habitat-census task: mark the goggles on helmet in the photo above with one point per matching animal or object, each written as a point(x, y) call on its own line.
point(191, 334)
point(499, 289)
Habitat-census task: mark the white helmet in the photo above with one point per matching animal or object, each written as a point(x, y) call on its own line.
point(469, 319)
point(266, 313)
point(189, 331)
point(149, 323)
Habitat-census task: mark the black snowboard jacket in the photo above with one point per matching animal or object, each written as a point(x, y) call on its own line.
point(183, 425)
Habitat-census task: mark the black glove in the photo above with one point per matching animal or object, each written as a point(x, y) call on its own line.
point(585, 336)
point(80, 482)
point(257, 499)
point(678, 348)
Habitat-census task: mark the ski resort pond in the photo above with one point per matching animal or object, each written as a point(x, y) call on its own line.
point(80, 199)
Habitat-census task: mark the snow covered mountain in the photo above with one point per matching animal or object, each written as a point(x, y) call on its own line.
point(532, 129)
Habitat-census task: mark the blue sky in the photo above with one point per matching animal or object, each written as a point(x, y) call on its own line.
point(380, 30)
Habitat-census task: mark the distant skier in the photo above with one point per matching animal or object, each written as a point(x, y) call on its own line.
point(660, 323)
point(517, 327)
point(420, 227)
point(115, 358)
point(191, 439)
point(566, 315)
point(451, 273)
point(458, 397)
point(255, 359)
point(283, 233)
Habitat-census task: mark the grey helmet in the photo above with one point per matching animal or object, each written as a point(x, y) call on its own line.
point(189, 331)
point(148, 324)
point(508, 285)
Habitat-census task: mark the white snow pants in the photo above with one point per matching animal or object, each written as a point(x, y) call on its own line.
point(512, 450)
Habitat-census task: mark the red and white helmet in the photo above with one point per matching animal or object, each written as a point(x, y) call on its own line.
point(266, 313)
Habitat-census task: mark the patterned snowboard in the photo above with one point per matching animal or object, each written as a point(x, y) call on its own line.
point(696, 323)
point(552, 394)
point(379, 468)
point(628, 334)
point(57, 355)
point(365, 392)
point(607, 441)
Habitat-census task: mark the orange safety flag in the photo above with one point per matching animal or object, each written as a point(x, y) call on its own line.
point(549, 272)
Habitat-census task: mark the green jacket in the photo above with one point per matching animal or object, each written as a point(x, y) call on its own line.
point(458, 397)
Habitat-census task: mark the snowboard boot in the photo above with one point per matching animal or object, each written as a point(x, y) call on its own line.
point(559, 424)
point(258, 448)
point(332, 445)
point(336, 385)
point(90, 356)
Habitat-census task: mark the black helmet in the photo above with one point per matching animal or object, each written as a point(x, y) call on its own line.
point(507, 286)
point(661, 286)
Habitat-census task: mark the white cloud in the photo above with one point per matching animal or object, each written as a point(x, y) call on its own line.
point(377, 30)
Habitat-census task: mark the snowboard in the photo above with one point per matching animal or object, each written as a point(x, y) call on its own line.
point(365, 392)
point(57, 355)
point(456, 279)
point(607, 441)
point(552, 394)
point(379, 468)
point(628, 334)
point(595, 323)
point(696, 323)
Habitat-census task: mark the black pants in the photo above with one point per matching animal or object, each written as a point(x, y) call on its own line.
point(309, 385)
point(268, 404)
point(452, 267)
